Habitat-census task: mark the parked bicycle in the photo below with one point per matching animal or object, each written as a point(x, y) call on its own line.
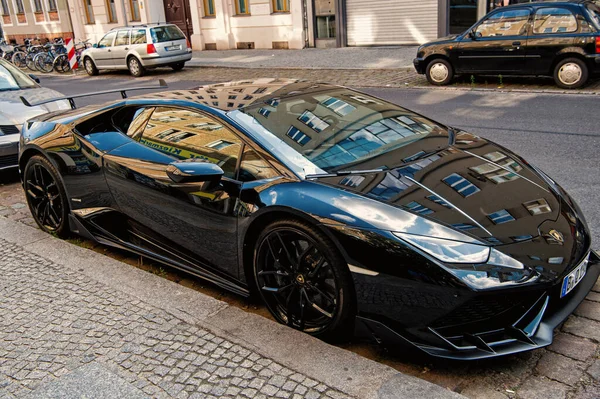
point(24, 54)
point(61, 62)
point(44, 61)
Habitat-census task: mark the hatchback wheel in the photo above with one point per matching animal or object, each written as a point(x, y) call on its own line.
point(303, 280)
point(135, 67)
point(46, 196)
point(570, 73)
point(178, 67)
point(90, 67)
point(439, 72)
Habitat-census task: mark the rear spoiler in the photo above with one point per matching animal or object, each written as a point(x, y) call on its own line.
point(161, 84)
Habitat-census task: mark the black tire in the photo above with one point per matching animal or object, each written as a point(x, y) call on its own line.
point(178, 67)
point(46, 196)
point(135, 67)
point(570, 73)
point(298, 271)
point(90, 67)
point(439, 72)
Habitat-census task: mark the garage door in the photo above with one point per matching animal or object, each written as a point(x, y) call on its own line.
point(384, 22)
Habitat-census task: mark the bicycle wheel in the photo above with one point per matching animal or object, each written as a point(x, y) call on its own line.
point(61, 63)
point(44, 62)
point(18, 59)
point(29, 61)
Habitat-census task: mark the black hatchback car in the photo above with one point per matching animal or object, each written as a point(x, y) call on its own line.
point(559, 39)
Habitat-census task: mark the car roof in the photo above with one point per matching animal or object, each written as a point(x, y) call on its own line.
point(241, 94)
point(539, 4)
point(147, 25)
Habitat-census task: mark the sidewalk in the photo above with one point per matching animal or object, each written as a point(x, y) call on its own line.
point(74, 324)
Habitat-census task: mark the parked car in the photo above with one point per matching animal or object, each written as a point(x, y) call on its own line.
point(337, 208)
point(13, 113)
point(138, 48)
point(559, 39)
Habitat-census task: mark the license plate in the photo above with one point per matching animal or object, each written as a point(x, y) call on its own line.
point(173, 48)
point(572, 279)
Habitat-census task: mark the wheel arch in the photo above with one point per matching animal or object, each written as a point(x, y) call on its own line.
point(567, 53)
point(434, 56)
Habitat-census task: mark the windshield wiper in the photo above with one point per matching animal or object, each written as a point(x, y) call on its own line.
point(343, 173)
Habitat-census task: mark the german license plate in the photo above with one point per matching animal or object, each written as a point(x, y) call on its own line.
point(173, 48)
point(572, 279)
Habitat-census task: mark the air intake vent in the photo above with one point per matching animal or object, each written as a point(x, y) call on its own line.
point(8, 161)
point(9, 129)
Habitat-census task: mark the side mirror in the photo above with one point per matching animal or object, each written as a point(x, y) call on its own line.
point(95, 45)
point(473, 34)
point(194, 171)
point(35, 78)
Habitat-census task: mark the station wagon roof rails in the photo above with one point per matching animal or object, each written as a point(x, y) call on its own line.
point(161, 84)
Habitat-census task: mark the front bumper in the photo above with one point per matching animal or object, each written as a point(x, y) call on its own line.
point(532, 331)
point(420, 66)
point(162, 60)
point(9, 151)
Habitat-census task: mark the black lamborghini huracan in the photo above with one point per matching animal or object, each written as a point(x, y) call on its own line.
point(344, 212)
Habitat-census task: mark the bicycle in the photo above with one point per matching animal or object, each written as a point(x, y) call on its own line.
point(45, 60)
point(61, 62)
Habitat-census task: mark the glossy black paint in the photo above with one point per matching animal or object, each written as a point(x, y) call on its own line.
point(120, 194)
point(527, 54)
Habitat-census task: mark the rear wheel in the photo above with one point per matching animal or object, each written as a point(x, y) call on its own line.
point(29, 61)
point(46, 196)
point(135, 67)
point(570, 73)
point(439, 72)
point(18, 59)
point(90, 67)
point(61, 63)
point(178, 67)
point(303, 280)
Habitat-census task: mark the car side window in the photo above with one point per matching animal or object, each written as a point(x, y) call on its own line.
point(186, 134)
point(107, 40)
point(122, 38)
point(253, 167)
point(504, 23)
point(554, 20)
point(138, 36)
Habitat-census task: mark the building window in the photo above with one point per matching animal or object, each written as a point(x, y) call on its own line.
point(20, 8)
point(37, 6)
point(134, 6)
point(111, 11)
point(461, 185)
point(281, 6)
point(296, 135)
point(209, 8)
point(52, 5)
point(501, 216)
point(89, 12)
point(5, 10)
point(241, 7)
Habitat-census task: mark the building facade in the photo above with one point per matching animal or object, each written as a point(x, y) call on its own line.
point(43, 19)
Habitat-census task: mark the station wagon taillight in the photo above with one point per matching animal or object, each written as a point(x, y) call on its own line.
point(189, 46)
point(150, 49)
point(597, 44)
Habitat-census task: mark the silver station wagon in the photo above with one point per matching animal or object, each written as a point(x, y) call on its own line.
point(138, 48)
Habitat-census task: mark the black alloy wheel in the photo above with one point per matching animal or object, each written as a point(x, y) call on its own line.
point(304, 281)
point(46, 196)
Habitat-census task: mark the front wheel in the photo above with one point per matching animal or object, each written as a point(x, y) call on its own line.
point(18, 59)
point(135, 67)
point(303, 280)
point(178, 67)
point(61, 63)
point(570, 73)
point(44, 62)
point(90, 67)
point(439, 72)
point(46, 196)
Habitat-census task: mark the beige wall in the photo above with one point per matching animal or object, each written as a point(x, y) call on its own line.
point(47, 24)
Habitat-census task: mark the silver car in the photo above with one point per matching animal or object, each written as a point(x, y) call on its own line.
point(138, 48)
point(13, 113)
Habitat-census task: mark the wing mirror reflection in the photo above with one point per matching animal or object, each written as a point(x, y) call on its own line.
point(35, 78)
point(194, 171)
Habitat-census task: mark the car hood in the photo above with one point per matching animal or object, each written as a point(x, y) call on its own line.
point(441, 40)
point(14, 112)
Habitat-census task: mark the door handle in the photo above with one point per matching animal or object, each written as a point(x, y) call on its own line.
point(109, 50)
point(516, 43)
point(126, 48)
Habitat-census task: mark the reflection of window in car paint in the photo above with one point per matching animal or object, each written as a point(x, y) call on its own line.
point(504, 23)
point(181, 136)
point(390, 186)
point(253, 167)
point(416, 207)
point(169, 118)
point(521, 238)
point(274, 102)
point(554, 20)
point(165, 133)
point(264, 112)
point(438, 200)
point(352, 181)
point(537, 207)
point(295, 134)
point(205, 126)
point(556, 260)
point(313, 121)
point(219, 144)
point(463, 226)
point(461, 185)
point(338, 106)
point(501, 216)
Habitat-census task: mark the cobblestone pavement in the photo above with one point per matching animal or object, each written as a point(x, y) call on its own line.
point(53, 320)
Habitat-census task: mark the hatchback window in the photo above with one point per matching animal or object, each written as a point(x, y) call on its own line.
point(504, 23)
point(122, 38)
point(138, 36)
point(107, 40)
point(166, 33)
point(554, 20)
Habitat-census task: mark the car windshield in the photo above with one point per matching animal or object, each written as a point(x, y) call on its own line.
point(11, 78)
point(166, 33)
point(332, 128)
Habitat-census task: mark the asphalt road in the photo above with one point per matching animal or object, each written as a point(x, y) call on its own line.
point(560, 133)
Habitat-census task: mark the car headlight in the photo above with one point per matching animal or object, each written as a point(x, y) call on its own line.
point(450, 251)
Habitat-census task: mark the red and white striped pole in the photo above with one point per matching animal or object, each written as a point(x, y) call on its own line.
point(71, 53)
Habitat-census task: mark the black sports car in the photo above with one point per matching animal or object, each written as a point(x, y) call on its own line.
point(344, 212)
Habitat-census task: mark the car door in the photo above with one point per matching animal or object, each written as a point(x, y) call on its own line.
point(497, 44)
point(552, 30)
point(103, 53)
point(194, 222)
point(121, 48)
